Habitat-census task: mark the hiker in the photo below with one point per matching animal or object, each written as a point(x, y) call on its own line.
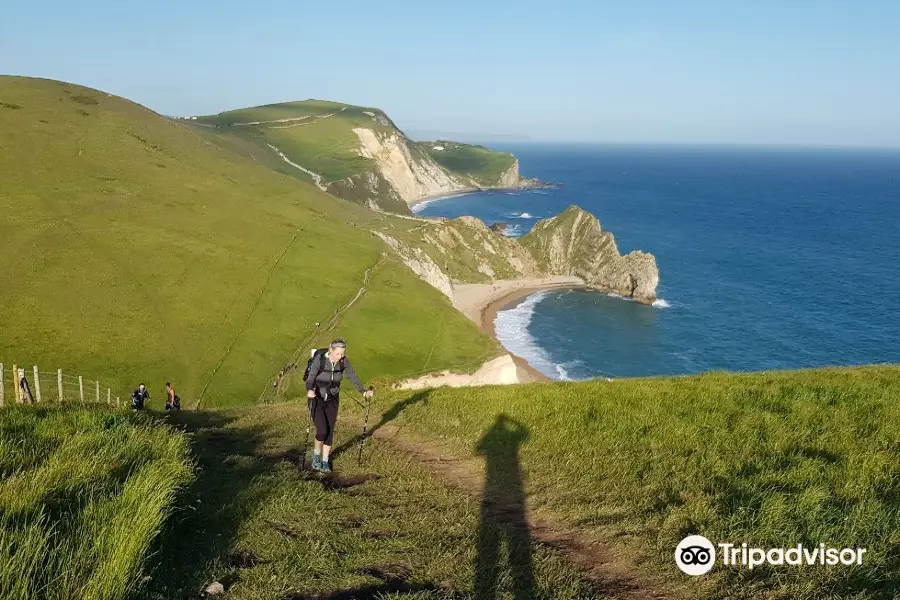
point(173, 402)
point(323, 385)
point(139, 397)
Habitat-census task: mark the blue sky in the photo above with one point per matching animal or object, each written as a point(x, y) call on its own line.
point(755, 71)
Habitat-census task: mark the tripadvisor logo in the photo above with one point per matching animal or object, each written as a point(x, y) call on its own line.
point(696, 555)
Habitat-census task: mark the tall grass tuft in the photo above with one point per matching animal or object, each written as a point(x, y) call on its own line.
point(84, 491)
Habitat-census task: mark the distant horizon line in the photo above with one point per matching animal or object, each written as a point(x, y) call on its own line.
point(475, 139)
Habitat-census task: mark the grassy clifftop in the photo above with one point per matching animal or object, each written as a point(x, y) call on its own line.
point(354, 152)
point(482, 166)
point(315, 134)
point(137, 249)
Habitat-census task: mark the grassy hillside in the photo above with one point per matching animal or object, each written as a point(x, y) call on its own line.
point(83, 494)
point(772, 459)
point(315, 134)
point(480, 164)
point(138, 250)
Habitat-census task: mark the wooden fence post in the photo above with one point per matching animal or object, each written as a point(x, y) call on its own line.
point(108, 394)
point(15, 376)
point(59, 383)
point(117, 403)
point(81, 388)
point(2, 385)
point(98, 391)
point(37, 384)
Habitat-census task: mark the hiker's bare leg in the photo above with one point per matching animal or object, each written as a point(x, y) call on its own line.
point(318, 447)
point(326, 451)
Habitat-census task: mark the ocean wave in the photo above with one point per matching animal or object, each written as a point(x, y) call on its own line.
point(658, 303)
point(512, 231)
point(512, 193)
point(511, 326)
point(522, 215)
point(415, 208)
point(565, 369)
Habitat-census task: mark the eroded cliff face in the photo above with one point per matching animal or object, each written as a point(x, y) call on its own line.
point(420, 263)
point(411, 174)
point(465, 250)
point(411, 177)
point(510, 178)
point(473, 253)
point(573, 243)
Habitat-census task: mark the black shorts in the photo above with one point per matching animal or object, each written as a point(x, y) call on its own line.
point(324, 414)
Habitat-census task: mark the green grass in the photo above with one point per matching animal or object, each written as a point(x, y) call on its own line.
point(481, 164)
point(326, 146)
point(83, 494)
point(273, 112)
point(773, 459)
point(311, 538)
point(139, 250)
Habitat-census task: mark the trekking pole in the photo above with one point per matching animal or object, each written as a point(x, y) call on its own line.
point(362, 440)
point(306, 441)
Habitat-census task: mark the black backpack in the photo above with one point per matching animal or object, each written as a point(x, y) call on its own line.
point(313, 356)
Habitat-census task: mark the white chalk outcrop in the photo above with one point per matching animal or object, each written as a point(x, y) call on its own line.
point(412, 178)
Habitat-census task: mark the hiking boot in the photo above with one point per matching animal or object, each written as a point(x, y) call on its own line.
point(316, 462)
point(325, 466)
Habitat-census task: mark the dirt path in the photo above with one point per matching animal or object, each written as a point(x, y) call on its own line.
point(328, 325)
point(295, 121)
point(317, 179)
point(259, 296)
point(617, 577)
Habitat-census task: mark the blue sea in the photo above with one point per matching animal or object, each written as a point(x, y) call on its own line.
point(768, 258)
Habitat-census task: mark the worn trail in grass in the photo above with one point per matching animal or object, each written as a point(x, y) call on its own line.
point(264, 528)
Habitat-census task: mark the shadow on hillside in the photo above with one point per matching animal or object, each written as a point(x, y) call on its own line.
point(193, 546)
point(389, 415)
point(503, 513)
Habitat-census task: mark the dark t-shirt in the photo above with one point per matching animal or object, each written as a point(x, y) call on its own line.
point(325, 377)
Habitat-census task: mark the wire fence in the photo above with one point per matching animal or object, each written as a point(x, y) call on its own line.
point(19, 385)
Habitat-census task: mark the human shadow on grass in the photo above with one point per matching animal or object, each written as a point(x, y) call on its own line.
point(389, 415)
point(503, 513)
point(194, 545)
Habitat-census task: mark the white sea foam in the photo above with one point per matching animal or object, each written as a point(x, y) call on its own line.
point(415, 208)
point(658, 303)
point(512, 231)
point(511, 326)
point(523, 215)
